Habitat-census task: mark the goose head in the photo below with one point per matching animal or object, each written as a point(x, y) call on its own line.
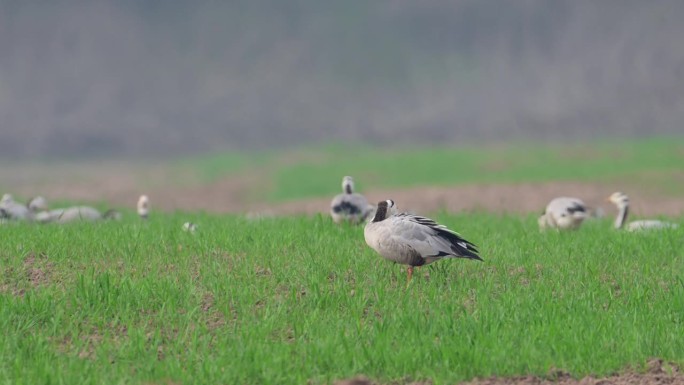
point(384, 210)
point(619, 199)
point(348, 185)
point(6, 199)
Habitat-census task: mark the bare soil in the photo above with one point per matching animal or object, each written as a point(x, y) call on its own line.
point(658, 372)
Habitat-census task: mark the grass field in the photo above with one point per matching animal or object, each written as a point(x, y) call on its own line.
point(297, 300)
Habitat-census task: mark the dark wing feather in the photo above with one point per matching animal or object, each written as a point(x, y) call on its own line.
point(576, 207)
point(347, 207)
point(458, 245)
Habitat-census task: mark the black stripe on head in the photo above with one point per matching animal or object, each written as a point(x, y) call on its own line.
point(381, 211)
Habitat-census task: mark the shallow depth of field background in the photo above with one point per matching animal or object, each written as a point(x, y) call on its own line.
point(243, 118)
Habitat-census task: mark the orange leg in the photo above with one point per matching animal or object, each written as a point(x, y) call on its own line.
point(410, 274)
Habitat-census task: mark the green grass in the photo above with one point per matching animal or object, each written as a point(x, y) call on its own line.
point(298, 299)
point(309, 172)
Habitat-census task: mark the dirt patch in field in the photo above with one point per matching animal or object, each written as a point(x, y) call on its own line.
point(38, 269)
point(658, 372)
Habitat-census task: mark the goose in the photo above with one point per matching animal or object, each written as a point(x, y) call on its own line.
point(189, 227)
point(143, 206)
point(14, 210)
point(563, 213)
point(76, 213)
point(621, 200)
point(349, 206)
point(37, 204)
point(413, 240)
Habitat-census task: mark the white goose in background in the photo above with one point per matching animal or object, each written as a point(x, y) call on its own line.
point(563, 213)
point(143, 206)
point(189, 227)
point(14, 210)
point(75, 213)
point(621, 200)
point(350, 206)
point(413, 240)
point(37, 204)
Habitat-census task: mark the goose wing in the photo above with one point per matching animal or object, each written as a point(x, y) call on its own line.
point(351, 204)
point(569, 206)
point(430, 239)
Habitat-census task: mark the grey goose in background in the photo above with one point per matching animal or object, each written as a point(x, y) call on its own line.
point(563, 213)
point(143, 206)
point(74, 214)
point(621, 200)
point(350, 206)
point(37, 204)
point(14, 210)
point(413, 240)
point(189, 227)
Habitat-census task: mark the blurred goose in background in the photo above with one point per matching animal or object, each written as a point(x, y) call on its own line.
point(14, 210)
point(189, 227)
point(350, 206)
point(75, 213)
point(37, 204)
point(143, 206)
point(413, 240)
point(563, 213)
point(621, 200)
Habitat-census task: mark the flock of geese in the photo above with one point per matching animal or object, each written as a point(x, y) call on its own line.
point(566, 213)
point(37, 210)
point(401, 237)
point(414, 240)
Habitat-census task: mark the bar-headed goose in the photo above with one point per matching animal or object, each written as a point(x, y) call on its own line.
point(350, 206)
point(37, 204)
point(189, 227)
point(621, 200)
point(563, 213)
point(14, 210)
point(143, 206)
point(413, 240)
point(76, 213)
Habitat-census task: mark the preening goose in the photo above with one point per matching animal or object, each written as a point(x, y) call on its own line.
point(621, 200)
point(350, 206)
point(143, 206)
point(75, 213)
point(413, 240)
point(563, 213)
